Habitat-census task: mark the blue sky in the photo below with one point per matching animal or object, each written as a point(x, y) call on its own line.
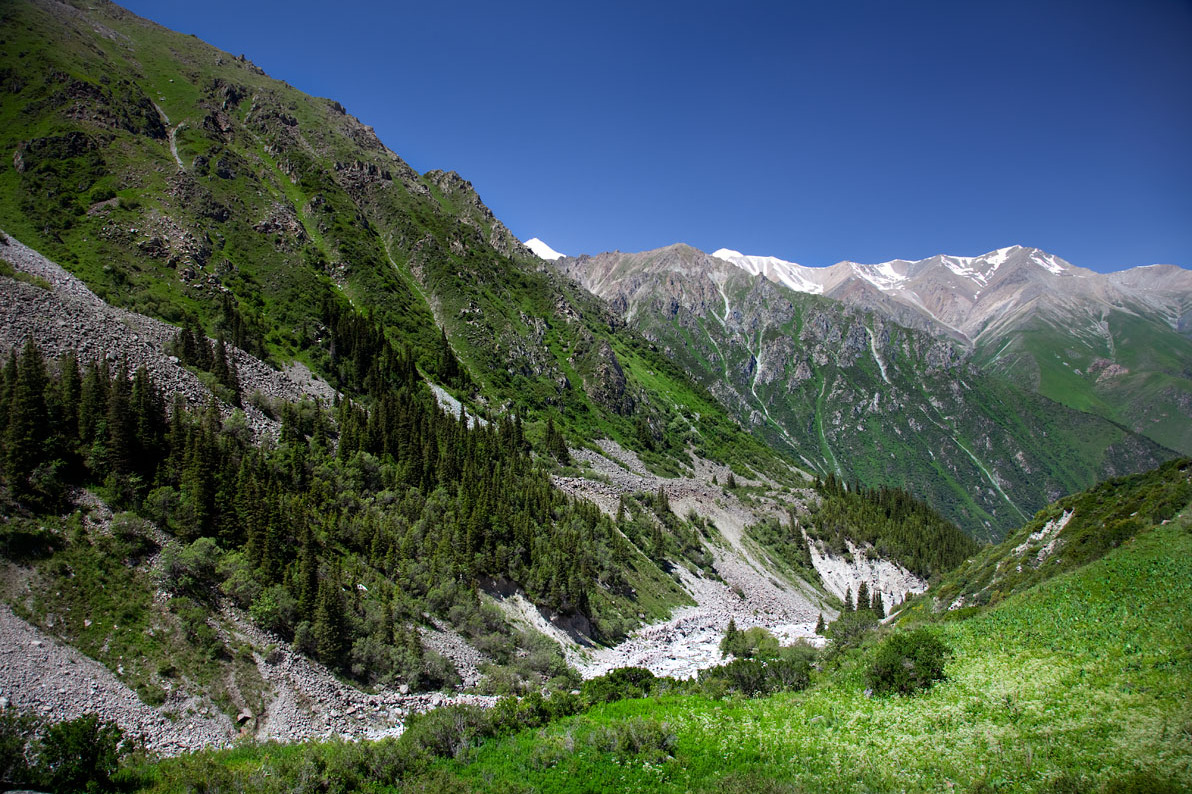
point(814, 131)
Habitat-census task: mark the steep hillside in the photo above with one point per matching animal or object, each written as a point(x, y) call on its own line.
point(1114, 344)
point(180, 182)
point(858, 396)
point(221, 442)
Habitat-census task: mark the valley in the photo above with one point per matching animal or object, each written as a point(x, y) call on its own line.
point(313, 476)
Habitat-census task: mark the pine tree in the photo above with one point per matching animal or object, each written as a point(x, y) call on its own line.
point(877, 606)
point(819, 624)
point(848, 601)
point(122, 436)
point(331, 639)
point(863, 596)
point(224, 369)
point(728, 644)
point(27, 420)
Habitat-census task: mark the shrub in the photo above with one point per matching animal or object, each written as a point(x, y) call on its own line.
point(17, 730)
point(81, 754)
point(753, 677)
point(907, 663)
point(650, 740)
point(755, 642)
point(620, 684)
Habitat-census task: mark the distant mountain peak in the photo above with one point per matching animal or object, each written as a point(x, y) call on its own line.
point(542, 250)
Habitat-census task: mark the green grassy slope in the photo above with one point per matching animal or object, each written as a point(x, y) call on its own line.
point(1067, 534)
point(1076, 685)
point(1134, 371)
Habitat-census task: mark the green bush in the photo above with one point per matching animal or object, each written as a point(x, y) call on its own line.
point(753, 677)
point(17, 730)
point(81, 755)
point(647, 739)
point(756, 642)
point(907, 663)
point(620, 684)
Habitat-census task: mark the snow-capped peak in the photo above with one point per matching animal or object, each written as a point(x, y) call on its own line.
point(542, 250)
point(789, 274)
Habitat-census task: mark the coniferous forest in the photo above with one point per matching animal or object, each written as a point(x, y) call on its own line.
point(338, 533)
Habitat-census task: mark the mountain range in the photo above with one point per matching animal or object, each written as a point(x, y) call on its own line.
point(1115, 344)
point(292, 434)
point(849, 390)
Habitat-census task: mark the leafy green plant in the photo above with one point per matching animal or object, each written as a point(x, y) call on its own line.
point(907, 663)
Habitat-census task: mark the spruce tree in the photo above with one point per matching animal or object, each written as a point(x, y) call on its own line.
point(122, 437)
point(819, 624)
point(330, 630)
point(862, 596)
point(27, 420)
point(728, 644)
point(848, 601)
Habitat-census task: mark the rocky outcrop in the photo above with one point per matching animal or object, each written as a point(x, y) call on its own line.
point(605, 382)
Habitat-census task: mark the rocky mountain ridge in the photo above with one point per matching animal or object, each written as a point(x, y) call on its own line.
point(1117, 344)
point(851, 392)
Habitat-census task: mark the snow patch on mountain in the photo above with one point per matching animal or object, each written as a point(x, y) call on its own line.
point(789, 274)
point(1048, 262)
point(884, 276)
point(542, 250)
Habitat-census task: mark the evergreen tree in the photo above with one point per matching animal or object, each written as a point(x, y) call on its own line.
point(731, 639)
point(121, 424)
point(331, 642)
point(662, 503)
point(862, 596)
point(27, 420)
point(224, 370)
point(819, 624)
point(848, 601)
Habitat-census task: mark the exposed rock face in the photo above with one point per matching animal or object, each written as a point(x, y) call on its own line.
point(844, 575)
point(606, 384)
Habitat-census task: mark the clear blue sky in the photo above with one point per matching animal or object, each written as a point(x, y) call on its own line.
point(814, 131)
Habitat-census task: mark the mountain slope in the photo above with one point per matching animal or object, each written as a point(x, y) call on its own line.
point(1116, 344)
point(183, 183)
point(854, 394)
point(1068, 534)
